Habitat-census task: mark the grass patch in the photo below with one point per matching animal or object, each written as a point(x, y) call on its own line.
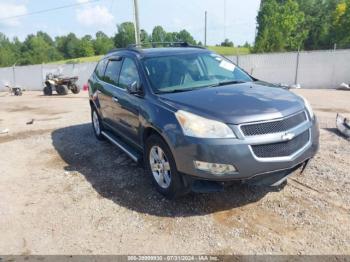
point(224, 50)
point(78, 60)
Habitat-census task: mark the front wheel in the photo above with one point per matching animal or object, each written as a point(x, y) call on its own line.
point(160, 163)
point(75, 89)
point(47, 90)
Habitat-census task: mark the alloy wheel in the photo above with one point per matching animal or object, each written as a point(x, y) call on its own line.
point(160, 167)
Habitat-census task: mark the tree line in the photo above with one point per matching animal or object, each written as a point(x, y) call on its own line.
point(41, 48)
point(289, 25)
point(282, 25)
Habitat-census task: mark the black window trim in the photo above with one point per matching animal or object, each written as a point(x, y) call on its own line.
point(104, 73)
point(122, 56)
point(104, 70)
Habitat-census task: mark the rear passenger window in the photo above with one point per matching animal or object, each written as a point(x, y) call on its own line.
point(100, 68)
point(128, 74)
point(112, 72)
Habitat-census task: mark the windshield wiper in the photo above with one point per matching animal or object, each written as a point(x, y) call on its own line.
point(230, 82)
point(194, 88)
point(176, 91)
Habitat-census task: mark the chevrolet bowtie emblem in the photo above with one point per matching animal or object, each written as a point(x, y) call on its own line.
point(288, 136)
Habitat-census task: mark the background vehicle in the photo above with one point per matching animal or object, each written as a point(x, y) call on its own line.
point(16, 91)
point(60, 84)
point(196, 119)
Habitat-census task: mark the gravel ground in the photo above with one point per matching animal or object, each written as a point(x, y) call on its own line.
point(64, 192)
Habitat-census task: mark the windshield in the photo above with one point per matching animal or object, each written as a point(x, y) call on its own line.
point(185, 72)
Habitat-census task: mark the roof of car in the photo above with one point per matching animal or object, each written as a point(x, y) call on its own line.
point(159, 51)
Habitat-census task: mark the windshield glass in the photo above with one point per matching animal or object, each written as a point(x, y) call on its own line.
point(185, 72)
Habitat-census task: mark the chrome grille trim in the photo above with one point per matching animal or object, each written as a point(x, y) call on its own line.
point(282, 149)
point(273, 126)
point(284, 158)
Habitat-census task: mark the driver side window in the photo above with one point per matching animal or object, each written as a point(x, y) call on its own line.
point(128, 74)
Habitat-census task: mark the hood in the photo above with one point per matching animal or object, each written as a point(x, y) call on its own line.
point(236, 104)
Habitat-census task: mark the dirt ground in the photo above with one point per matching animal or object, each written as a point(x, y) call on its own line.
point(64, 192)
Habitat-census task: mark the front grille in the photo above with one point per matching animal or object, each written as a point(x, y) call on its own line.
point(274, 126)
point(282, 149)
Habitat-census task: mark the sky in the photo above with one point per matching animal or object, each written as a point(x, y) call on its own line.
point(174, 15)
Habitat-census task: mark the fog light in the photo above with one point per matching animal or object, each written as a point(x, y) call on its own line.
point(216, 169)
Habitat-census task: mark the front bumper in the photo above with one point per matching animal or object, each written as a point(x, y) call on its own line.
point(238, 152)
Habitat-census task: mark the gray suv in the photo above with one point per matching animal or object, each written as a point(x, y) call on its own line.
point(195, 119)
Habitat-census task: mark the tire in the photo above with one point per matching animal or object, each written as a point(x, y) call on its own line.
point(75, 89)
point(97, 125)
point(47, 90)
point(166, 179)
point(18, 92)
point(62, 90)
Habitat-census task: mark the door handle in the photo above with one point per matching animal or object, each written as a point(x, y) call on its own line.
point(115, 99)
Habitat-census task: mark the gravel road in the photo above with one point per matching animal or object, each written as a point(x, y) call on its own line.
point(64, 192)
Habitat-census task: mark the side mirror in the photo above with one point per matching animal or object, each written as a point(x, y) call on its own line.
point(134, 88)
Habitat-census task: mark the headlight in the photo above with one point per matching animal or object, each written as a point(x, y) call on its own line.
point(308, 107)
point(197, 126)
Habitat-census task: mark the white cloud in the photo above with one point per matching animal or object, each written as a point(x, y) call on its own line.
point(94, 16)
point(8, 10)
point(82, 1)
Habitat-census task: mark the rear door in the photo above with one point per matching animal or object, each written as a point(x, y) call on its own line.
point(109, 91)
point(98, 86)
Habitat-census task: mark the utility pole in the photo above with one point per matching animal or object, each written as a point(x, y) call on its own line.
point(136, 22)
point(205, 29)
point(224, 19)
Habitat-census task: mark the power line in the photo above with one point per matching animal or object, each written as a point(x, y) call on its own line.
point(49, 10)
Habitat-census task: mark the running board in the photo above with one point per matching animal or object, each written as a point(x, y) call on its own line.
point(133, 154)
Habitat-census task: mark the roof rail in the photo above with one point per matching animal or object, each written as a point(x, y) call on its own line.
point(136, 47)
point(164, 44)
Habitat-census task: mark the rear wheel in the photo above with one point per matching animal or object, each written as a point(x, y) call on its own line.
point(62, 90)
point(161, 165)
point(96, 124)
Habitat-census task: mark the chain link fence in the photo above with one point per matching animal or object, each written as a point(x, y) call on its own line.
point(314, 69)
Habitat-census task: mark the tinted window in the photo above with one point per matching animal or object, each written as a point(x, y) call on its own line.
point(112, 72)
point(100, 68)
point(128, 74)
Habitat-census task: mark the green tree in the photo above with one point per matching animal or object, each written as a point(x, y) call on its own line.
point(158, 34)
point(85, 47)
point(281, 26)
point(68, 45)
point(125, 35)
point(246, 45)
point(172, 37)
point(341, 24)
point(318, 22)
point(145, 38)
point(102, 43)
point(36, 49)
point(185, 36)
point(227, 43)
point(8, 54)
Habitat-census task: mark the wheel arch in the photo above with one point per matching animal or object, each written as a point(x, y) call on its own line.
point(94, 105)
point(149, 131)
